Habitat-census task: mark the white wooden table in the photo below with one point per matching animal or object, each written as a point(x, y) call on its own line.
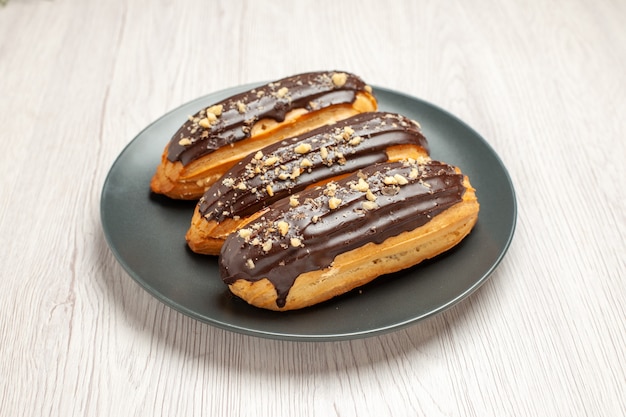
point(543, 82)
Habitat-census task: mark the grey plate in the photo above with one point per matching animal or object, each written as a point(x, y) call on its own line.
point(146, 234)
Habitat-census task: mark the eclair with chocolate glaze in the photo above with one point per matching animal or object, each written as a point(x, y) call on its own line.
point(218, 136)
point(342, 235)
point(294, 164)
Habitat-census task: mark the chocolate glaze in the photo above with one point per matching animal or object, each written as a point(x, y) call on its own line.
point(351, 144)
point(317, 233)
point(311, 91)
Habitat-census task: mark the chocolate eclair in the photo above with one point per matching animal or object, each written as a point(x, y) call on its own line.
point(294, 164)
point(331, 239)
point(218, 136)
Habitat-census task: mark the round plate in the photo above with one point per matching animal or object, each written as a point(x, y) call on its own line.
point(146, 232)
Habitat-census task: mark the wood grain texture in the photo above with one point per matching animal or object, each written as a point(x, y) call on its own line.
point(543, 82)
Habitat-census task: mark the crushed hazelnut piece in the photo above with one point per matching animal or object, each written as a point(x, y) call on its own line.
point(283, 227)
point(390, 180)
point(245, 233)
point(303, 148)
point(205, 123)
point(241, 107)
point(295, 242)
point(368, 88)
point(334, 202)
point(362, 185)
point(295, 173)
point(306, 163)
point(293, 201)
point(269, 190)
point(216, 110)
point(250, 263)
point(400, 180)
point(347, 132)
point(184, 142)
point(270, 161)
point(369, 205)
point(339, 79)
point(267, 246)
point(282, 92)
point(324, 152)
point(414, 173)
point(258, 156)
point(228, 182)
point(370, 196)
point(355, 140)
point(331, 188)
point(241, 186)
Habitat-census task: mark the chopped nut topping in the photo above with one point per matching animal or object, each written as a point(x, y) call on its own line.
point(282, 92)
point(368, 88)
point(414, 173)
point(258, 156)
point(205, 123)
point(184, 142)
point(361, 186)
point(306, 163)
point(369, 205)
point(334, 202)
point(400, 180)
point(370, 196)
point(241, 107)
point(293, 201)
point(324, 152)
point(228, 182)
point(303, 148)
point(250, 263)
point(270, 161)
point(331, 188)
point(283, 227)
point(295, 173)
point(347, 132)
point(269, 190)
point(267, 245)
point(216, 110)
point(295, 242)
point(390, 180)
point(355, 140)
point(339, 79)
point(245, 233)
point(241, 186)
